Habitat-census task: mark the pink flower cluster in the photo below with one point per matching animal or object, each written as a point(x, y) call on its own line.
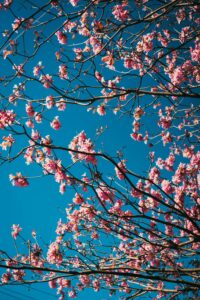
point(18, 180)
point(37, 69)
point(17, 23)
point(101, 110)
point(61, 105)
point(78, 199)
point(83, 149)
point(6, 277)
point(95, 43)
point(7, 117)
point(18, 275)
point(85, 280)
point(195, 52)
point(167, 187)
point(105, 194)
point(30, 110)
point(121, 168)
point(120, 13)
point(63, 72)
point(62, 38)
point(50, 102)
point(8, 141)
point(55, 124)
point(16, 229)
point(54, 255)
point(133, 61)
point(146, 44)
point(47, 80)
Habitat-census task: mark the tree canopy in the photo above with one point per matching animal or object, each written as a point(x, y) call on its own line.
point(132, 233)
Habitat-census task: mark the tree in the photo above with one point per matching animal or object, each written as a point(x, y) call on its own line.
point(134, 235)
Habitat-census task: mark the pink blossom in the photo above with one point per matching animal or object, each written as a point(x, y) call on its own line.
point(154, 175)
point(165, 122)
point(83, 30)
point(162, 40)
point(18, 180)
point(121, 168)
point(95, 43)
point(74, 2)
point(133, 62)
point(79, 53)
point(184, 34)
point(54, 255)
point(35, 135)
point(29, 123)
point(180, 174)
point(82, 144)
point(166, 138)
point(169, 162)
point(146, 43)
point(6, 277)
point(195, 53)
point(7, 3)
point(37, 69)
point(98, 76)
point(12, 99)
point(105, 194)
point(138, 113)
point(68, 26)
point(72, 294)
point(95, 235)
point(16, 24)
point(62, 38)
point(137, 136)
point(8, 141)
point(7, 117)
point(28, 156)
point(51, 166)
point(63, 72)
point(52, 284)
point(50, 102)
point(46, 80)
point(78, 199)
point(167, 186)
point(38, 117)
point(136, 126)
point(180, 15)
point(16, 229)
point(109, 60)
point(19, 69)
point(101, 110)
point(85, 280)
point(55, 124)
point(120, 13)
point(178, 76)
point(167, 33)
point(62, 188)
point(64, 283)
point(96, 284)
point(188, 151)
point(59, 174)
point(61, 105)
point(30, 110)
point(18, 275)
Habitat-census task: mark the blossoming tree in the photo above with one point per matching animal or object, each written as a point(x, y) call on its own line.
point(134, 235)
